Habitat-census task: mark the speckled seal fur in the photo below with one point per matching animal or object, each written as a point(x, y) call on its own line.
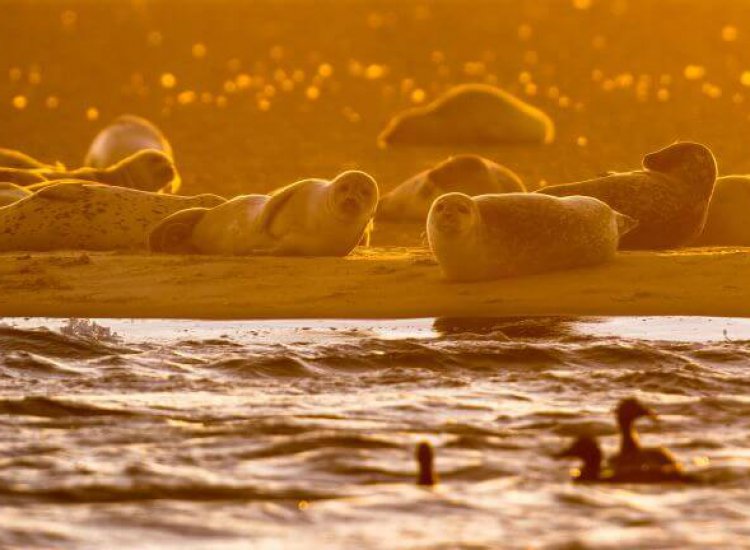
point(87, 216)
point(493, 236)
point(669, 197)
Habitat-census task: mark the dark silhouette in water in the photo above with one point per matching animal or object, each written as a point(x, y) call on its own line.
point(587, 449)
point(425, 456)
point(631, 455)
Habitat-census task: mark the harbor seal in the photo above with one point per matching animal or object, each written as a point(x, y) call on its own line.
point(493, 236)
point(10, 193)
point(88, 216)
point(146, 170)
point(470, 114)
point(469, 174)
point(308, 218)
point(124, 137)
point(20, 176)
point(727, 223)
point(10, 158)
point(669, 197)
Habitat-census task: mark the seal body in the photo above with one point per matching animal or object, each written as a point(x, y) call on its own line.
point(10, 158)
point(469, 174)
point(669, 197)
point(494, 236)
point(126, 136)
point(20, 176)
point(728, 220)
point(146, 170)
point(470, 114)
point(86, 216)
point(308, 218)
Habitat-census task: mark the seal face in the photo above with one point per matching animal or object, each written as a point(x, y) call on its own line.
point(727, 223)
point(469, 174)
point(87, 216)
point(123, 138)
point(470, 114)
point(493, 236)
point(307, 218)
point(669, 197)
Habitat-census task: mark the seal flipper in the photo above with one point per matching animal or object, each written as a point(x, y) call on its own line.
point(625, 224)
point(276, 202)
point(173, 235)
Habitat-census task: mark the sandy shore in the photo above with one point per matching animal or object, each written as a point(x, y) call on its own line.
point(372, 283)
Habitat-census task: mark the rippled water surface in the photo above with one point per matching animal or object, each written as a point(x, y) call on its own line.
point(301, 434)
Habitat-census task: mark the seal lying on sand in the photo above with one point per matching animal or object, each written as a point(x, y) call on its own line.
point(494, 236)
point(470, 114)
point(20, 176)
point(10, 158)
point(470, 174)
point(88, 216)
point(145, 170)
point(127, 135)
point(307, 218)
point(728, 221)
point(669, 197)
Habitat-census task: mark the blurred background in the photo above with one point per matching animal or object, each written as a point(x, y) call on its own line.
point(255, 94)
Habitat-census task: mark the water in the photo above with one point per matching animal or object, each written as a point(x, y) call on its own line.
point(300, 434)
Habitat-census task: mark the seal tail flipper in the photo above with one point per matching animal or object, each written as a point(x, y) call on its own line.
point(625, 224)
point(173, 235)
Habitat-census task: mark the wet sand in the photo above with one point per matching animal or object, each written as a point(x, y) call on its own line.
point(372, 283)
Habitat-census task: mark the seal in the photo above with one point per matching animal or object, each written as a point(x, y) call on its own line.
point(88, 216)
point(308, 218)
point(124, 137)
point(470, 114)
point(146, 170)
point(10, 193)
point(469, 174)
point(20, 176)
point(494, 236)
point(727, 222)
point(669, 197)
point(10, 158)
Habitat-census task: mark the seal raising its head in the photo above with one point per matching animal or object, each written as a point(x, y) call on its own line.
point(10, 158)
point(470, 114)
point(146, 170)
point(469, 174)
point(307, 218)
point(126, 136)
point(494, 236)
point(88, 216)
point(727, 223)
point(669, 197)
